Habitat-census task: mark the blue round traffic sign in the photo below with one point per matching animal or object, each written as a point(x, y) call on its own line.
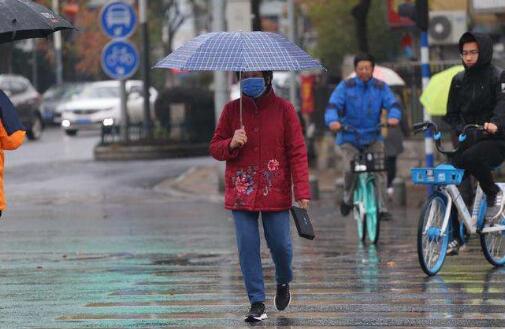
point(120, 59)
point(118, 19)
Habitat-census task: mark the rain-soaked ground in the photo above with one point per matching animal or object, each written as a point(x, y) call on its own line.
point(93, 245)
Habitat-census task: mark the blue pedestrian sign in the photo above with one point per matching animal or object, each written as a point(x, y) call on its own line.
point(120, 59)
point(118, 20)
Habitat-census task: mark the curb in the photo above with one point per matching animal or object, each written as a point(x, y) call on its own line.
point(119, 152)
point(196, 183)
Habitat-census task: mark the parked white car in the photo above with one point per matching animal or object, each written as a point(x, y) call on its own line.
point(100, 101)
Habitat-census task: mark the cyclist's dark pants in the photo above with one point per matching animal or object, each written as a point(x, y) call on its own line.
point(391, 169)
point(479, 159)
point(467, 190)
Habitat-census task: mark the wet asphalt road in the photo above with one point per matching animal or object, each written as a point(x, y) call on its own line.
point(86, 244)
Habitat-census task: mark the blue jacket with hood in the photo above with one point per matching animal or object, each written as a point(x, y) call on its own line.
point(358, 104)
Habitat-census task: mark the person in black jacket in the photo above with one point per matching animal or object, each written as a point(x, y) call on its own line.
point(477, 96)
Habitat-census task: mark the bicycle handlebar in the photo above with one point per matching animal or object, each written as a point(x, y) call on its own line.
point(361, 132)
point(437, 135)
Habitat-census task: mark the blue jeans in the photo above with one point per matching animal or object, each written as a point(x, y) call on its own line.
point(277, 235)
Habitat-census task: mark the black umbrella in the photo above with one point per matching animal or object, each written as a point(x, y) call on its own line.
point(25, 19)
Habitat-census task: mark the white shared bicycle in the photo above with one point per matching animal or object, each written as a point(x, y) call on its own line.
point(446, 206)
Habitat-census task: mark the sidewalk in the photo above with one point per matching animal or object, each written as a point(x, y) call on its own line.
point(200, 182)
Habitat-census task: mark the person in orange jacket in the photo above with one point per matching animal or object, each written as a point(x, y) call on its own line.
point(12, 135)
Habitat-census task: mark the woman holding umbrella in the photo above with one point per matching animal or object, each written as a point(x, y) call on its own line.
point(260, 138)
point(263, 160)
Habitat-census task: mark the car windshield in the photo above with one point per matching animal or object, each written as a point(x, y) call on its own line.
point(54, 92)
point(13, 86)
point(99, 92)
point(63, 92)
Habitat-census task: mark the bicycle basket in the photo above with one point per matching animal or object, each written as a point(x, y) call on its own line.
point(441, 175)
point(368, 162)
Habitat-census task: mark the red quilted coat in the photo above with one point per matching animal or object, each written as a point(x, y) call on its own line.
point(259, 176)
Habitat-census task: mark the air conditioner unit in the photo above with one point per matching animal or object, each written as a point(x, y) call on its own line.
point(446, 27)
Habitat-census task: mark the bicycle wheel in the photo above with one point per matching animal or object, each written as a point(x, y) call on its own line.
point(359, 212)
point(372, 222)
point(431, 241)
point(493, 244)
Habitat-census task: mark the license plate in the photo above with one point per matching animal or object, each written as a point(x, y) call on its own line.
point(83, 121)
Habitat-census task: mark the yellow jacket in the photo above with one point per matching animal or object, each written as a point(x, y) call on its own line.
point(7, 142)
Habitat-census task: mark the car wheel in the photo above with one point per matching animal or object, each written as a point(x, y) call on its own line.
point(35, 132)
point(71, 132)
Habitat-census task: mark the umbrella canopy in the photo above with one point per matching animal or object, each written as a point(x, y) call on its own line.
point(385, 74)
point(240, 52)
point(25, 19)
point(434, 97)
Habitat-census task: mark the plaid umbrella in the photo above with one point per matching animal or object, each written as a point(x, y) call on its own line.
point(25, 19)
point(240, 52)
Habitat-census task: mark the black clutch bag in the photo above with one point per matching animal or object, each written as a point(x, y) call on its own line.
point(302, 222)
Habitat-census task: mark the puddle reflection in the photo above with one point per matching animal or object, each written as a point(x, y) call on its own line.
point(368, 267)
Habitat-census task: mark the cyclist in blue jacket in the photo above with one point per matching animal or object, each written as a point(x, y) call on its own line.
point(358, 102)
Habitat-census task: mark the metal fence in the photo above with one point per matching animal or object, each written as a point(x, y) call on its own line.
point(112, 134)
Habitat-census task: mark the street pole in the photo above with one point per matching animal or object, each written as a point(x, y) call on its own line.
point(148, 124)
point(124, 111)
point(221, 95)
point(35, 75)
point(292, 38)
point(425, 70)
point(57, 48)
point(422, 21)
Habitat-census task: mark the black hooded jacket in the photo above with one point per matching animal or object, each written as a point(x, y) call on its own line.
point(476, 96)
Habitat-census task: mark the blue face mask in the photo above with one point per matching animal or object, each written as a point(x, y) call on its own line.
point(253, 87)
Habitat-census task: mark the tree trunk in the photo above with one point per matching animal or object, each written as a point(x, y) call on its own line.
point(360, 13)
point(6, 58)
point(255, 10)
point(169, 77)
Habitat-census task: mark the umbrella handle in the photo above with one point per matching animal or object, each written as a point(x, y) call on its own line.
point(240, 78)
point(241, 121)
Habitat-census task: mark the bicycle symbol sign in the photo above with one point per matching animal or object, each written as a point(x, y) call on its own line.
point(120, 59)
point(118, 20)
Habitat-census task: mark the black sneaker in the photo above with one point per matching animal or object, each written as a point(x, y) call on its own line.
point(345, 208)
point(256, 313)
point(283, 297)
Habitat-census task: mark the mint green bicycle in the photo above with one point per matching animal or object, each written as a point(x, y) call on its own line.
point(365, 197)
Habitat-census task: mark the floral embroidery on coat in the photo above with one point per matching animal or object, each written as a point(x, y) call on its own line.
point(272, 167)
point(244, 181)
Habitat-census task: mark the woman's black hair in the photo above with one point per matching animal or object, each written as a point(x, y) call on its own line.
point(364, 57)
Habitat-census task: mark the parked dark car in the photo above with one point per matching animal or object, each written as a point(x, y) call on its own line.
point(54, 97)
point(27, 102)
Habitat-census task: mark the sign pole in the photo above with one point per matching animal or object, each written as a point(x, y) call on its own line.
point(148, 124)
point(120, 58)
point(124, 111)
point(58, 48)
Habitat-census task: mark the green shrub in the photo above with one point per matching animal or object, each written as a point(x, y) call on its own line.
point(198, 103)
